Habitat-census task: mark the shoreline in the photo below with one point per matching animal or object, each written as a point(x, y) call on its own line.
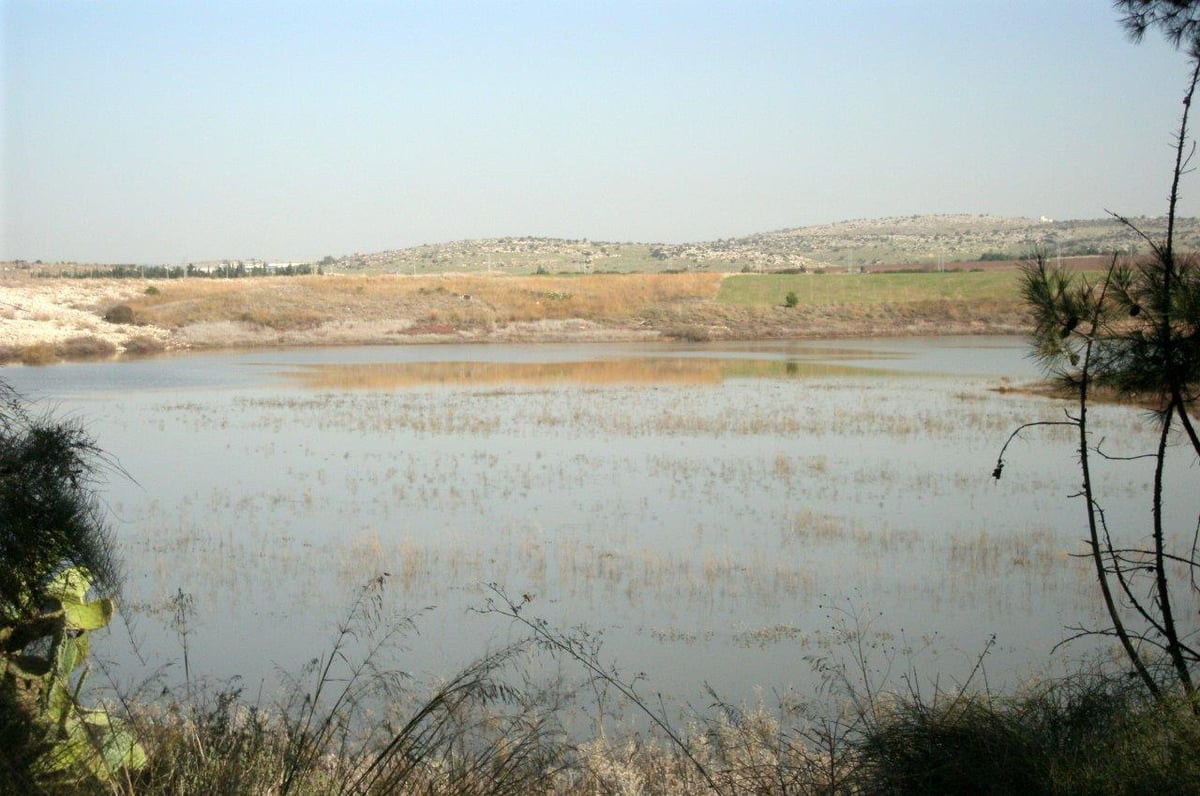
point(53, 320)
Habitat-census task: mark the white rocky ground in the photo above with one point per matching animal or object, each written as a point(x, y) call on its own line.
point(53, 310)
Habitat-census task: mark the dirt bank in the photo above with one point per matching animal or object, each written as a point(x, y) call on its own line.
point(44, 320)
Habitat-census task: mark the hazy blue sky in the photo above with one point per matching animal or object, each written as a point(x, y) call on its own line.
point(156, 131)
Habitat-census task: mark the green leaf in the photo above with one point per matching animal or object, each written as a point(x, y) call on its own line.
point(100, 752)
point(71, 584)
point(71, 653)
point(58, 704)
point(88, 616)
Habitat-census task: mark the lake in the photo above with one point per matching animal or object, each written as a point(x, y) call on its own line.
point(721, 514)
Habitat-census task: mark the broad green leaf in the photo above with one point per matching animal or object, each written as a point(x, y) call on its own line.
point(101, 754)
point(120, 749)
point(58, 704)
point(70, 654)
point(88, 616)
point(71, 584)
point(68, 755)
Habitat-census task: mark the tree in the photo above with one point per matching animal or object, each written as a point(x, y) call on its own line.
point(1179, 20)
point(1136, 334)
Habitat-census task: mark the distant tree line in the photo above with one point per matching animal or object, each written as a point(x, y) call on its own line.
point(234, 270)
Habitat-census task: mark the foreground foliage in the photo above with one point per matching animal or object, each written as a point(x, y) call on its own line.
point(1087, 734)
point(54, 547)
point(479, 733)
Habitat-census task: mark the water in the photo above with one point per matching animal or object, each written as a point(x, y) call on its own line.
point(719, 514)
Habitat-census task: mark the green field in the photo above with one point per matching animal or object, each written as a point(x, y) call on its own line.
point(870, 289)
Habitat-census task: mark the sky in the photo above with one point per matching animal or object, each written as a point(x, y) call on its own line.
point(167, 132)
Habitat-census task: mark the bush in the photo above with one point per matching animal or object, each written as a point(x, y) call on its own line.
point(121, 313)
point(792, 299)
point(85, 347)
point(690, 334)
point(1084, 735)
point(38, 354)
point(143, 344)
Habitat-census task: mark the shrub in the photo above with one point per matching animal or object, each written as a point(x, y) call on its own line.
point(38, 354)
point(151, 290)
point(121, 313)
point(792, 299)
point(143, 344)
point(85, 347)
point(1087, 734)
point(690, 334)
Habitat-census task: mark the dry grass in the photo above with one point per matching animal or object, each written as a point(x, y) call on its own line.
point(390, 309)
point(443, 301)
point(38, 354)
point(85, 347)
point(143, 344)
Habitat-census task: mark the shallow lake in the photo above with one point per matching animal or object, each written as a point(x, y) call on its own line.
point(715, 514)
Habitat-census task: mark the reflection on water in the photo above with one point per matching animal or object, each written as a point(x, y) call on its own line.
point(645, 370)
point(706, 504)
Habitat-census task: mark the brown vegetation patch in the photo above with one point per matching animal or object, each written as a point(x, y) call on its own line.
point(85, 347)
point(144, 344)
point(38, 354)
point(121, 313)
point(419, 305)
point(690, 334)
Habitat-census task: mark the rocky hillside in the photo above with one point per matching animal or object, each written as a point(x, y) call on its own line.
point(912, 240)
point(917, 242)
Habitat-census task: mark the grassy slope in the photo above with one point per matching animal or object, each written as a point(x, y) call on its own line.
point(872, 289)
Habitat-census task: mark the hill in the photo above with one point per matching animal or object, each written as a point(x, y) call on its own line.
point(847, 245)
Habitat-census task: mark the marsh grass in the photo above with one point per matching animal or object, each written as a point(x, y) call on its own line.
point(493, 729)
point(144, 345)
point(348, 723)
point(79, 347)
point(38, 354)
point(85, 347)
